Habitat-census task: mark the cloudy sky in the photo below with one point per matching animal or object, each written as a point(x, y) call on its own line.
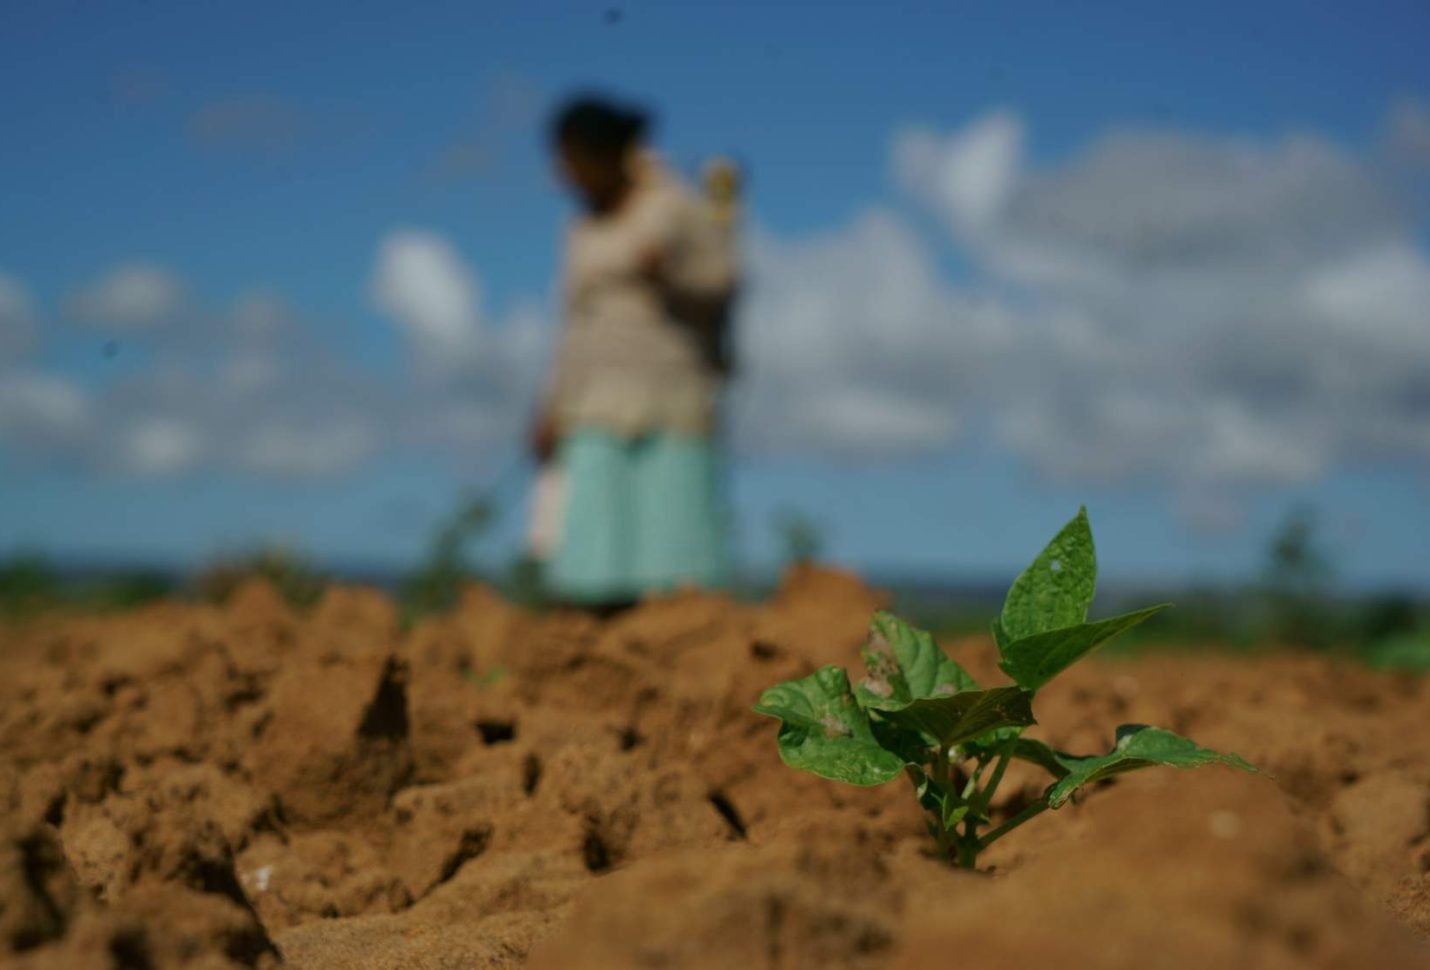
point(283, 272)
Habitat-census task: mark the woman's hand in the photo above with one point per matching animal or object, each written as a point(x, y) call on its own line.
point(542, 436)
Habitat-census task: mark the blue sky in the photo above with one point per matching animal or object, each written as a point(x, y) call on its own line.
point(1225, 199)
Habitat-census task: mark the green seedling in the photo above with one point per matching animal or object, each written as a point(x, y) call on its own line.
point(486, 678)
point(920, 714)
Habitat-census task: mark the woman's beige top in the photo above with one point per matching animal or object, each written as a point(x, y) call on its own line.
point(637, 353)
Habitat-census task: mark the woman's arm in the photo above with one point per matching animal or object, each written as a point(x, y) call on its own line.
point(544, 429)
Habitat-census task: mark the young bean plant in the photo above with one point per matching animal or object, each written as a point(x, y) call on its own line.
point(920, 714)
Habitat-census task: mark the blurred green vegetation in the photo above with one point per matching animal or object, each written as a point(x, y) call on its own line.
point(1293, 603)
point(437, 580)
point(802, 539)
point(295, 579)
point(435, 583)
point(1406, 651)
point(30, 584)
point(1385, 631)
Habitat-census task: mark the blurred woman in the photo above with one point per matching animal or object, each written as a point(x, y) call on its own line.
point(630, 409)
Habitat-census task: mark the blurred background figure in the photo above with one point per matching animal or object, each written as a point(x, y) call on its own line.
point(300, 321)
point(629, 498)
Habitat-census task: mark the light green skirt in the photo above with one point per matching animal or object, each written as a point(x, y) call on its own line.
point(641, 515)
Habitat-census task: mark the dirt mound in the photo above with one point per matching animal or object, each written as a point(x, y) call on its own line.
point(247, 786)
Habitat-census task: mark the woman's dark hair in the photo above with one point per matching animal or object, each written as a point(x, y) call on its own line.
point(599, 125)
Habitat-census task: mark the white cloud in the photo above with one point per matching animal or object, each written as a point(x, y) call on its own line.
point(1204, 313)
point(1172, 208)
point(41, 409)
point(1210, 511)
point(422, 283)
point(260, 315)
point(251, 388)
point(134, 296)
point(1410, 133)
point(238, 389)
point(1380, 296)
point(968, 176)
point(475, 377)
point(285, 450)
point(852, 344)
point(17, 328)
point(1191, 309)
point(157, 446)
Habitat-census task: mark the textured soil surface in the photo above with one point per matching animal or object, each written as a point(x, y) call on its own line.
point(246, 786)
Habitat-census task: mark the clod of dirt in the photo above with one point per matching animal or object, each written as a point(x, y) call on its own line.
point(821, 615)
point(336, 747)
point(623, 812)
point(440, 828)
point(351, 621)
point(39, 894)
point(174, 902)
point(1175, 871)
point(159, 927)
point(318, 875)
point(488, 915)
point(181, 923)
point(1380, 829)
point(228, 782)
point(178, 823)
point(817, 900)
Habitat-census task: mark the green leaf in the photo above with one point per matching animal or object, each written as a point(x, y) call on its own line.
point(823, 730)
point(952, 812)
point(1035, 660)
point(492, 675)
point(940, 801)
point(908, 744)
point(1040, 754)
point(956, 718)
point(905, 664)
point(1056, 590)
point(1138, 746)
point(1030, 750)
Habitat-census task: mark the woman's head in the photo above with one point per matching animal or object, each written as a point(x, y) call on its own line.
point(594, 138)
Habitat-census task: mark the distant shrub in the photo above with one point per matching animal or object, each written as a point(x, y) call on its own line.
point(28, 583)
point(289, 573)
point(444, 569)
point(1297, 580)
point(801, 537)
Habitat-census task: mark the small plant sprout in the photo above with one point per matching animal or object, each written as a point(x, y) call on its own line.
point(920, 714)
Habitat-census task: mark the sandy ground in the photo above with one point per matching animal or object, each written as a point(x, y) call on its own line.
point(194, 786)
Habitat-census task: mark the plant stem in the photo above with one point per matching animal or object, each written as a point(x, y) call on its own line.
point(945, 847)
point(1004, 756)
point(972, 786)
point(968, 843)
point(1032, 811)
point(941, 768)
point(942, 780)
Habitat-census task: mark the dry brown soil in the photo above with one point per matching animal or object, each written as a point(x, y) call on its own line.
point(200, 786)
